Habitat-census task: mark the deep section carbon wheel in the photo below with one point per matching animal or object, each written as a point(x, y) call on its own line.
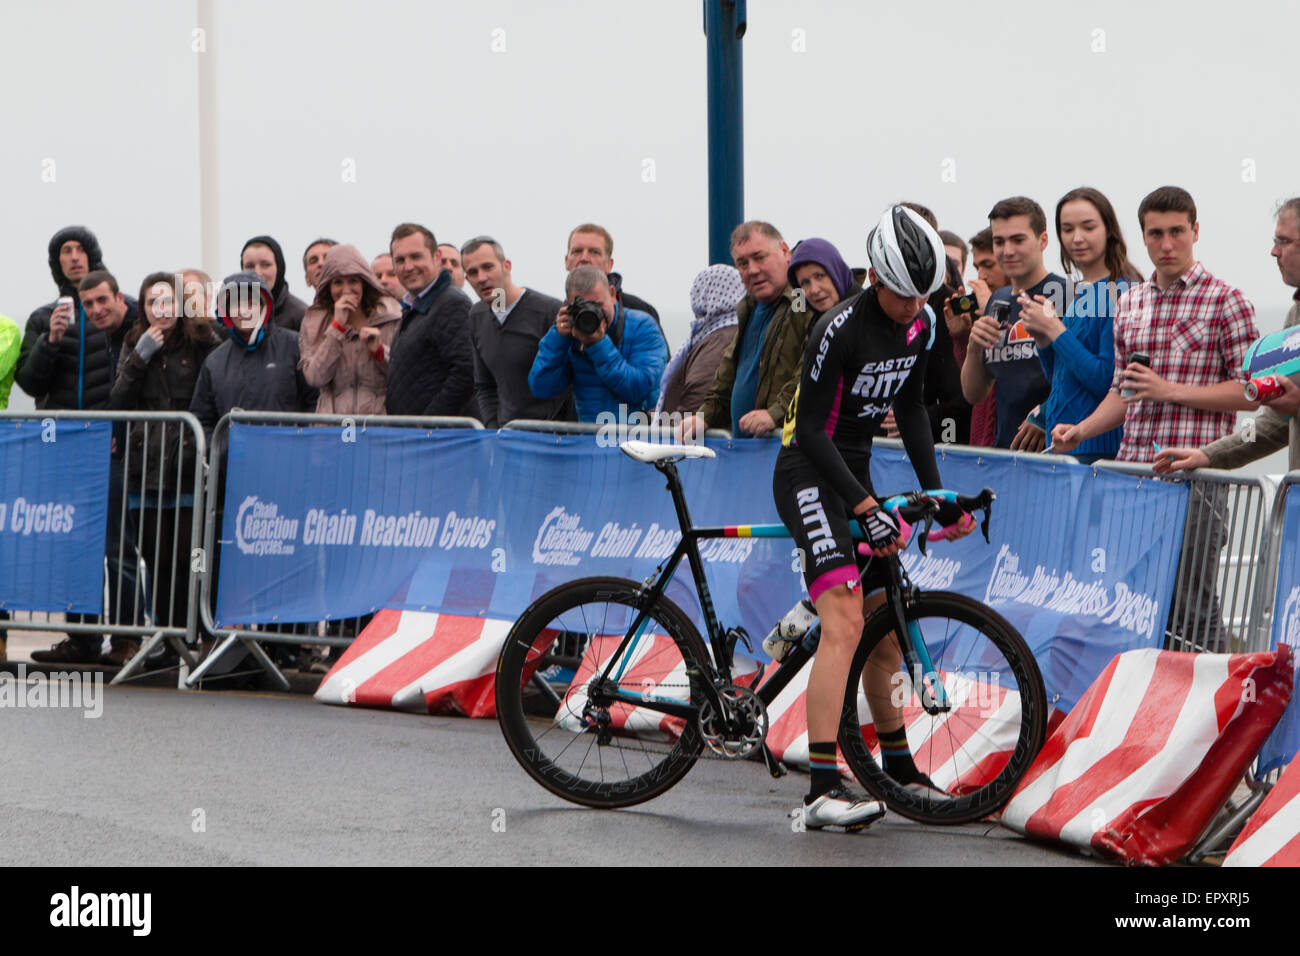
point(975, 737)
point(563, 730)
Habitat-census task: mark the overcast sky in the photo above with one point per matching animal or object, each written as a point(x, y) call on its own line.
point(522, 119)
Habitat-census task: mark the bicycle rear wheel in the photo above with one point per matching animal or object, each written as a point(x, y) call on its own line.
point(979, 747)
point(612, 756)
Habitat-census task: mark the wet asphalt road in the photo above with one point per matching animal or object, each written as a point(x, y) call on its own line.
point(202, 778)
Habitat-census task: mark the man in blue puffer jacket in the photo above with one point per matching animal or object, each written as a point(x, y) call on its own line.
point(620, 362)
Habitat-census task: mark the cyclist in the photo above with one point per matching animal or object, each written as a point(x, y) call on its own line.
point(863, 358)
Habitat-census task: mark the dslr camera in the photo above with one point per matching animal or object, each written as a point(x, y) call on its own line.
point(586, 316)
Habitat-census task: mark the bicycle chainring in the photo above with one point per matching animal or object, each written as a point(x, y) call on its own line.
point(737, 734)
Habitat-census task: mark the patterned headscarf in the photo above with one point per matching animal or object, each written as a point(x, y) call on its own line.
point(715, 293)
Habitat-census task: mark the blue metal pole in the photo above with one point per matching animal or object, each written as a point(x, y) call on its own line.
point(724, 26)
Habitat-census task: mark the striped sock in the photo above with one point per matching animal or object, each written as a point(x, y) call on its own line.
point(825, 771)
point(897, 755)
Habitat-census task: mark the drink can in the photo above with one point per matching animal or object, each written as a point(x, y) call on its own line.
point(1264, 389)
point(67, 300)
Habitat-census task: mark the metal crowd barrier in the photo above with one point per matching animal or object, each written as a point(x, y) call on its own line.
point(309, 633)
point(1226, 512)
point(136, 560)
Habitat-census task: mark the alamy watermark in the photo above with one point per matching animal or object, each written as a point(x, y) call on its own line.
point(59, 689)
point(661, 428)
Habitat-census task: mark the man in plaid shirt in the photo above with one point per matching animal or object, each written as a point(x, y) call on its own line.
point(1195, 329)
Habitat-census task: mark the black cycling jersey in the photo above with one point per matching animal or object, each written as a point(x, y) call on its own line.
point(858, 364)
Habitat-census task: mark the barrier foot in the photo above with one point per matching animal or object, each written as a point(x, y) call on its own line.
point(210, 661)
point(136, 663)
point(267, 665)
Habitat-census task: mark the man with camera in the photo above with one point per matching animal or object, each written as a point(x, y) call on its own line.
point(1002, 349)
point(612, 356)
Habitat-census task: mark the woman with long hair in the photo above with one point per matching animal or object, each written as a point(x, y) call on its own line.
point(157, 371)
point(1078, 349)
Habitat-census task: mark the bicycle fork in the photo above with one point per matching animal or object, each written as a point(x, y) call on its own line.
point(926, 681)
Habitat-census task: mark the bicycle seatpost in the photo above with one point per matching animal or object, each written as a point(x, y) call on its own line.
point(669, 470)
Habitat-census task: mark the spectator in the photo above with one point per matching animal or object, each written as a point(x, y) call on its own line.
point(505, 327)
point(989, 276)
point(1195, 329)
point(1006, 352)
point(430, 370)
point(352, 324)
point(263, 255)
point(383, 269)
point(615, 368)
point(1078, 352)
point(256, 368)
point(946, 407)
point(715, 294)
point(313, 257)
point(74, 368)
point(11, 341)
point(759, 372)
point(592, 245)
point(451, 262)
point(945, 404)
point(1276, 427)
point(956, 249)
point(819, 271)
point(52, 367)
point(158, 369)
point(198, 290)
point(10, 344)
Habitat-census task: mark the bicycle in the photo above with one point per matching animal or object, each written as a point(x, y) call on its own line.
point(611, 708)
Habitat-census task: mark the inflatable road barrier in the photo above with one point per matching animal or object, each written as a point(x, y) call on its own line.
point(413, 660)
point(1151, 752)
point(1272, 837)
point(956, 758)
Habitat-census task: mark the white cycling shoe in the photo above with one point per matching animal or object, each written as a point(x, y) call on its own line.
point(836, 808)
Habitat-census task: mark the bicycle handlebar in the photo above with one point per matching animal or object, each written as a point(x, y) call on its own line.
point(914, 507)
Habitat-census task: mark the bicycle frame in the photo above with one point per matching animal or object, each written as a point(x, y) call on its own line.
point(604, 689)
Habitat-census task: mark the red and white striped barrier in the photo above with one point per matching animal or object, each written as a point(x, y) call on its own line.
point(958, 755)
point(1151, 752)
point(413, 660)
point(1272, 837)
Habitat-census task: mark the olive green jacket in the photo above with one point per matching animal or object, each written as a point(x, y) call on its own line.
point(1272, 432)
point(779, 364)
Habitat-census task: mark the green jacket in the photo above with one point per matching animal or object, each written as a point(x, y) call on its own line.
point(1272, 432)
point(779, 364)
point(11, 340)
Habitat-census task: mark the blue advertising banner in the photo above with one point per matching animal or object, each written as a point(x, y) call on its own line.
point(53, 514)
point(1082, 561)
point(1284, 742)
point(335, 535)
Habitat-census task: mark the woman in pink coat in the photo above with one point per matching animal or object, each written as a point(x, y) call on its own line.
point(346, 335)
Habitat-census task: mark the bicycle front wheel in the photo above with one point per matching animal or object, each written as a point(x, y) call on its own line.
point(975, 737)
point(599, 756)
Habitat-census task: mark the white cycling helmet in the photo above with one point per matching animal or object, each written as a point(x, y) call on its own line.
point(907, 253)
